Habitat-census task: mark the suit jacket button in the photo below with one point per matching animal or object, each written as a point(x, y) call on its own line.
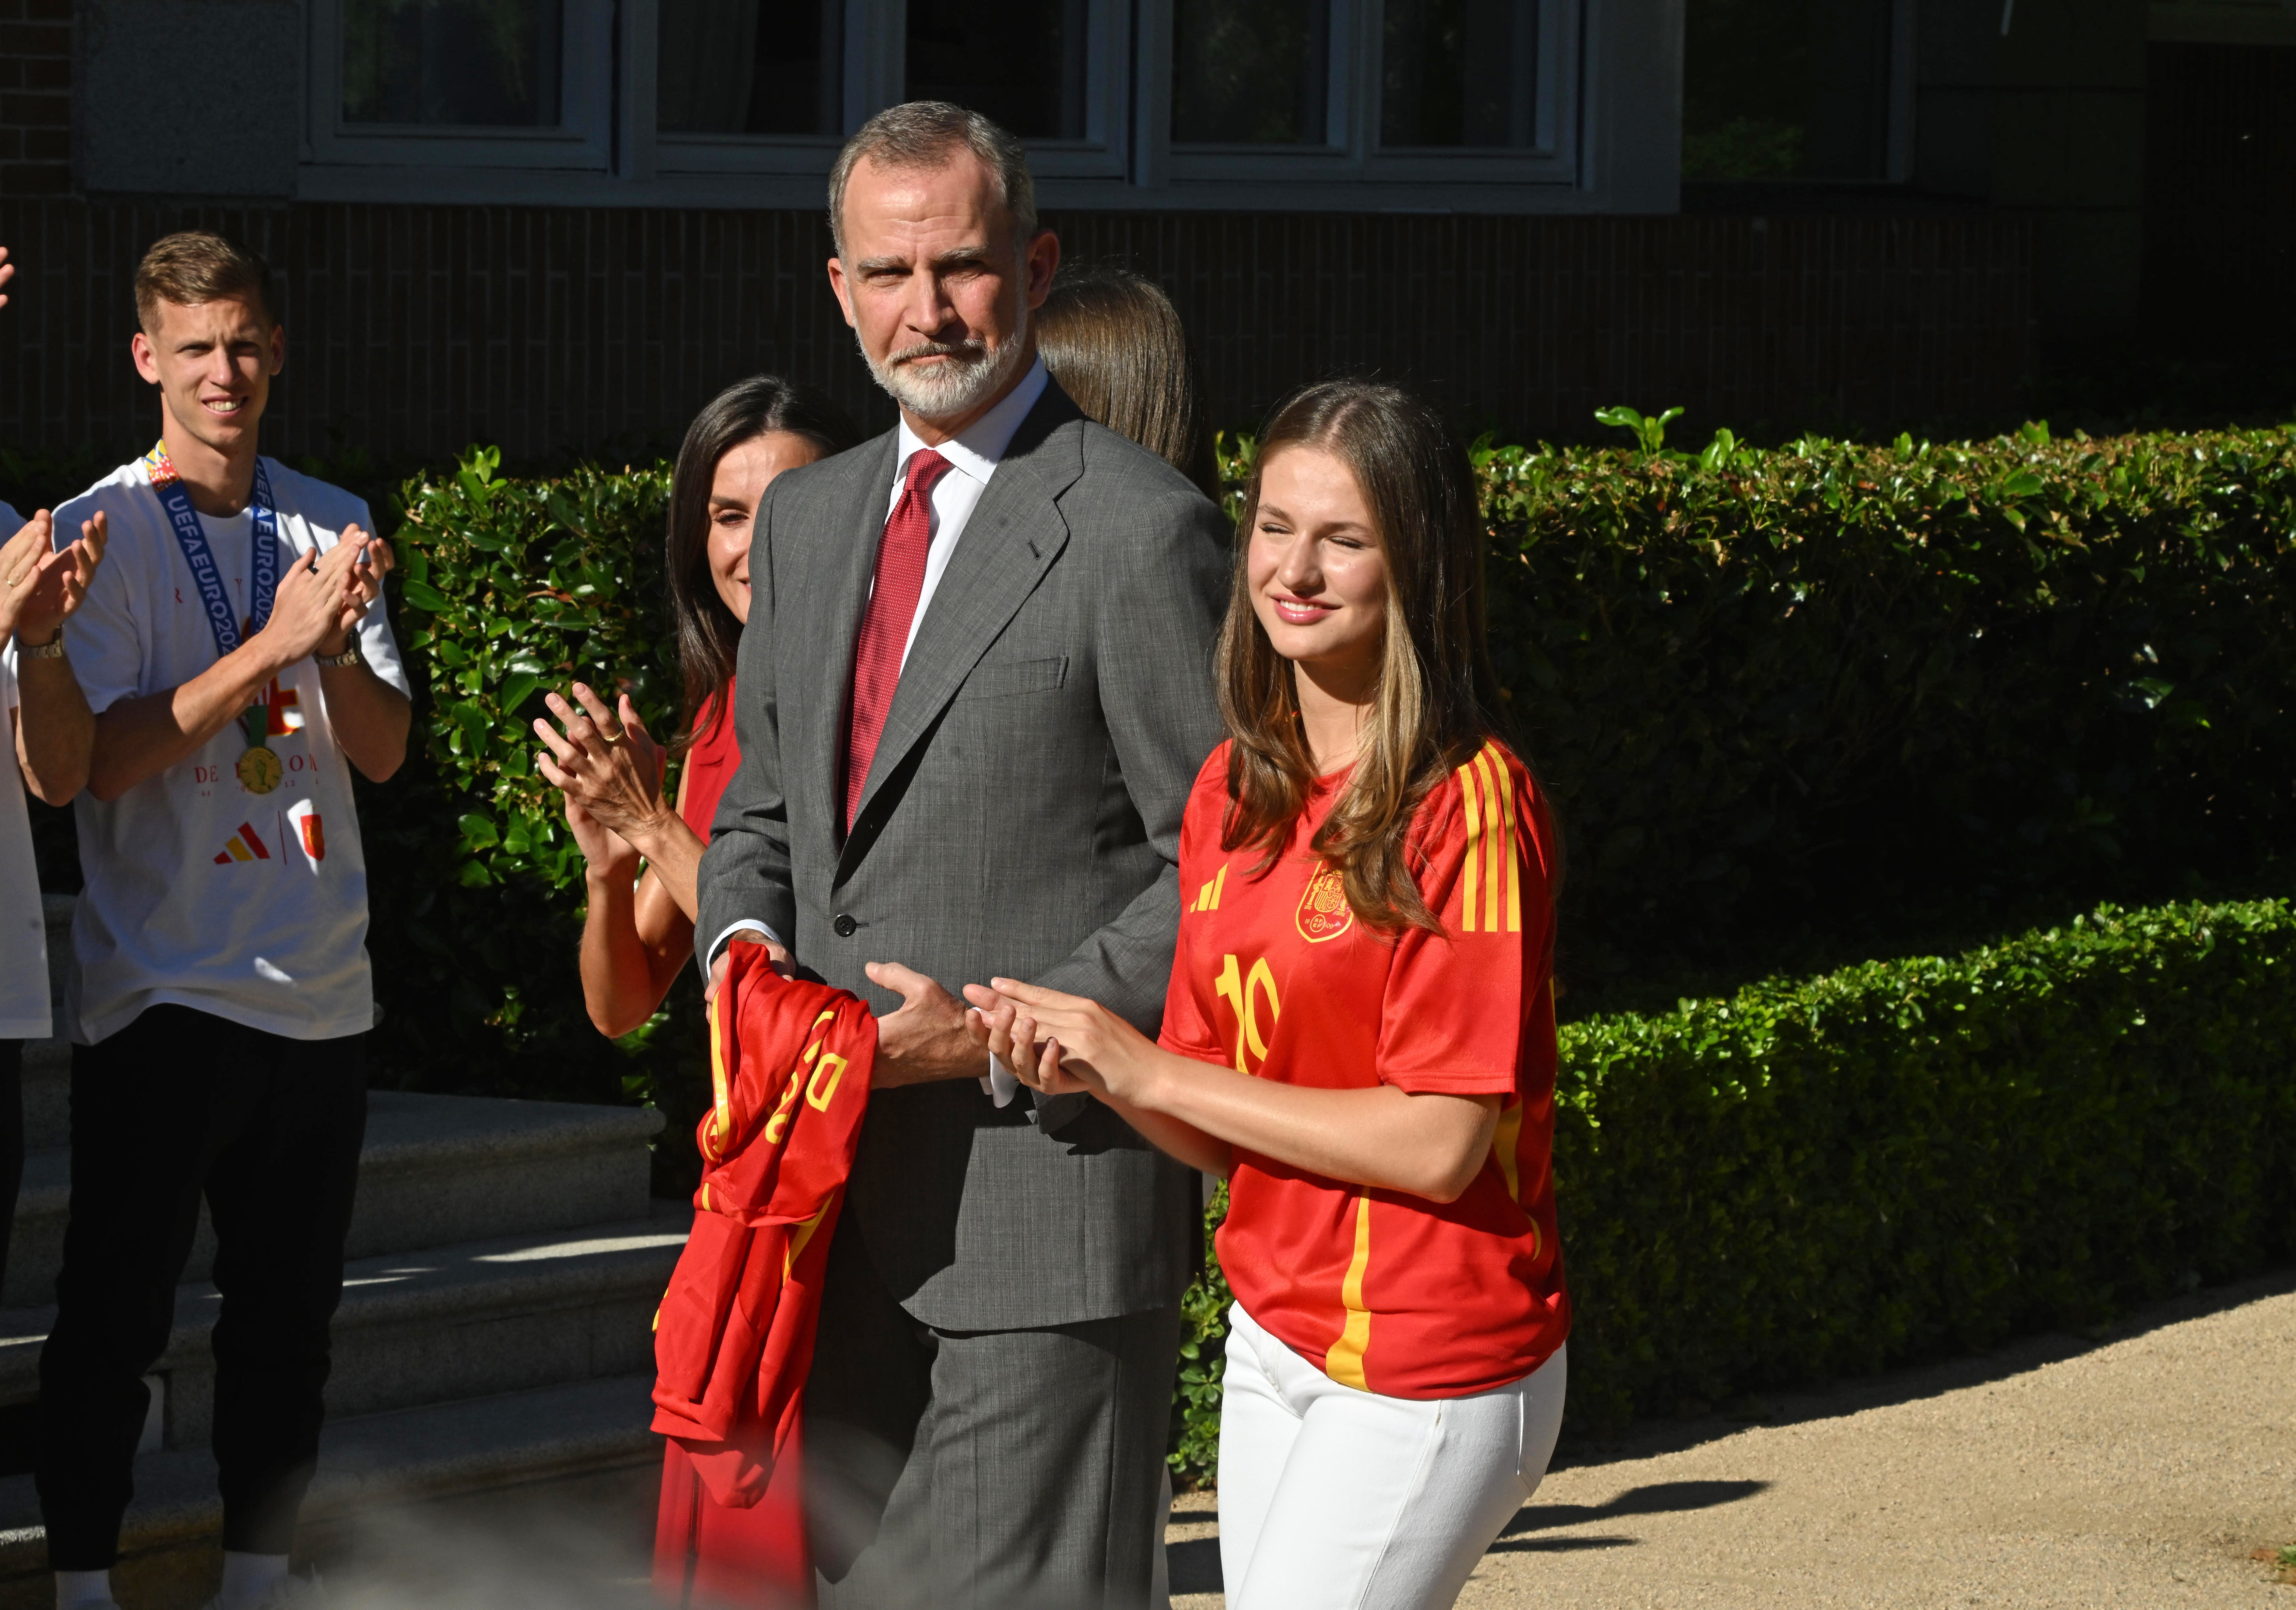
point(844, 924)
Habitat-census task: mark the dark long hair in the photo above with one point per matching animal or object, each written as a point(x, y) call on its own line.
point(1438, 696)
point(707, 632)
point(1115, 344)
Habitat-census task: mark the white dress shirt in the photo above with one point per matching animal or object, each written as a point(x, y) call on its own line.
point(974, 455)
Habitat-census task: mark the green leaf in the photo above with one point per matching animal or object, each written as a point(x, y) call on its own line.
point(477, 832)
point(422, 596)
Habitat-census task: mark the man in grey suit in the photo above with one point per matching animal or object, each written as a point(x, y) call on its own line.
point(973, 692)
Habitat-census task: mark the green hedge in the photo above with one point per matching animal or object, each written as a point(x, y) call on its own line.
point(1817, 1177)
point(1833, 701)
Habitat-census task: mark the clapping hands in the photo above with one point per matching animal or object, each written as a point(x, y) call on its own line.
point(42, 587)
point(609, 768)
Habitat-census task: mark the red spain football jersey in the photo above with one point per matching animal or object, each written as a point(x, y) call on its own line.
point(1388, 1292)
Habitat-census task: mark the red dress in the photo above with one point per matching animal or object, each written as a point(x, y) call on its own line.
point(710, 763)
point(705, 1552)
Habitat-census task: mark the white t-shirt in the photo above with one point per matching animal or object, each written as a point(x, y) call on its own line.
point(199, 890)
point(23, 935)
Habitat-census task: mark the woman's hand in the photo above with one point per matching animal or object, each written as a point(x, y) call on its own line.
point(608, 766)
point(1009, 1034)
point(612, 858)
point(1064, 1042)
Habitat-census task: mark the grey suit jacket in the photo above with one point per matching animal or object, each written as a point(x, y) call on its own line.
point(1022, 817)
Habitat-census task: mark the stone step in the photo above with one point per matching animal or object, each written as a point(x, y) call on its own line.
point(581, 1450)
point(436, 1171)
point(506, 1314)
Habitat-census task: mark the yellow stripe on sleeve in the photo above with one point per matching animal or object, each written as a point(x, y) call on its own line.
point(1344, 1363)
point(1491, 838)
point(1474, 848)
point(1513, 859)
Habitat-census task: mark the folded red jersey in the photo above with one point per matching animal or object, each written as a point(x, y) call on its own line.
point(790, 1066)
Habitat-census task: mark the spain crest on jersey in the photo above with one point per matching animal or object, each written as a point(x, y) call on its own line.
point(1323, 912)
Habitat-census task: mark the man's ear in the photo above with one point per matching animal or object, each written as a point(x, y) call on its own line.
point(843, 291)
point(147, 359)
point(1043, 261)
point(278, 348)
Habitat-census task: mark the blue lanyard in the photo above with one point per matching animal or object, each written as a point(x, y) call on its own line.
point(191, 536)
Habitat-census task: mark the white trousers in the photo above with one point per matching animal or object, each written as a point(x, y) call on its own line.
point(1332, 1498)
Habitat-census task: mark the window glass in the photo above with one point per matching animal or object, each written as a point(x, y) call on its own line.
point(1458, 72)
point(1786, 89)
point(1020, 62)
point(1250, 73)
point(492, 63)
point(760, 66)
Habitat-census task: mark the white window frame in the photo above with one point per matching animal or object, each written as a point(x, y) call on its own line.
point(1351, 152)
point(580, 142)
point(876, 72)
point(1608, 119)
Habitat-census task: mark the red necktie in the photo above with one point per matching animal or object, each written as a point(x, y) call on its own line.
point(885, 629)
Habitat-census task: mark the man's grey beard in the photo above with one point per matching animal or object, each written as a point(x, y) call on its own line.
point(971, 375)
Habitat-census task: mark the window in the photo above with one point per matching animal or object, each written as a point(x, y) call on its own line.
point(428, 64)
point(1022, 62)
point(751, 67)
point(1252, 72)
point(1125, 103)
point(462, 83)
point(1794, 90)
point(1458, 73)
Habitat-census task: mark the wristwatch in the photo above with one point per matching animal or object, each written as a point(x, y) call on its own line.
point(349, 656)
point(52, 649)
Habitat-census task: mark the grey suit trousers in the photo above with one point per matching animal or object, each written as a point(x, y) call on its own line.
point(1002, 1469)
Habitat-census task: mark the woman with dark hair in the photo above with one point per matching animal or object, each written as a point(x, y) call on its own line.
point(640, 929)
point(1114, 342)
point(1359, 1031)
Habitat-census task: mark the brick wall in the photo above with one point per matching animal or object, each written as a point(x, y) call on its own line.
point(36, 53)
point(2220, 201)
point(413, 331)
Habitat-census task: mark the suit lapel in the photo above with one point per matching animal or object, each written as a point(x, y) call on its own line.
point(1015, 533)
point(838, 586)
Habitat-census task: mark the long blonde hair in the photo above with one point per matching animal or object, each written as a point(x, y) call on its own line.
point(1437, 698)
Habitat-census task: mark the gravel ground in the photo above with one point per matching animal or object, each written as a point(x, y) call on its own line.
point(2142, 1467)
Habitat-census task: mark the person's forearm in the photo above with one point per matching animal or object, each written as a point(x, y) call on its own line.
point(1177, 1137)
point(56, 731)
point(617, 976)
point(673, 853)
point(140, 738)
point(371, 718)
point(1429, 1146)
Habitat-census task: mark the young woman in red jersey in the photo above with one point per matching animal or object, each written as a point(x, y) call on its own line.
point(1359, 1031)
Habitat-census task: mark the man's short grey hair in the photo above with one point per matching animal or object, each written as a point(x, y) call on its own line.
point(925, 133)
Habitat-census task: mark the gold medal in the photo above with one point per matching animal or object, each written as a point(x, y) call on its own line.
point(258, 770)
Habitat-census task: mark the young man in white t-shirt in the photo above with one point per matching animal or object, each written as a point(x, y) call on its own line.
point(236, 652)
point(40, 589)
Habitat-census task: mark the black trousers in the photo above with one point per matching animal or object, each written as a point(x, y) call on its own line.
point(178, 1104)
point(982, 1470)
point(12, 1142)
